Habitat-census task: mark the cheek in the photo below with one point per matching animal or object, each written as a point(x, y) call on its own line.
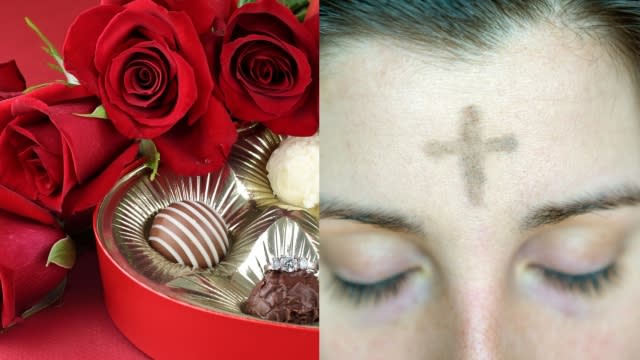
point(533, 331)
point(411, 338)
point(587, 342)
point(425, 332)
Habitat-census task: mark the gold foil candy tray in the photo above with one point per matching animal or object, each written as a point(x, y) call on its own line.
point(249, 160)
point(276, 232)
point(144, 198)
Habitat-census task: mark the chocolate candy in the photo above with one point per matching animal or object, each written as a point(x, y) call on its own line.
point(290, 297)
point(190, 233)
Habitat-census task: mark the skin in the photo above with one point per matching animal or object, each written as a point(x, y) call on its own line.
point(473, 287)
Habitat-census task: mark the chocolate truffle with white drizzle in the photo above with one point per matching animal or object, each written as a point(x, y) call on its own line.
point(190, 233)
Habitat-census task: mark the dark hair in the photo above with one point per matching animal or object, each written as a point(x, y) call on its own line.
point(463, 26)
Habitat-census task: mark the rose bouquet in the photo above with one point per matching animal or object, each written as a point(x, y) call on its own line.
point(168, 83)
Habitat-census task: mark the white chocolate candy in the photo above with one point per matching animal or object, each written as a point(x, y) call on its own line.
point(294, 171)
point(190, 233)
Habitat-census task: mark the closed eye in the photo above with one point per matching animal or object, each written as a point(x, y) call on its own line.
point(370, 292)
point(586, 283)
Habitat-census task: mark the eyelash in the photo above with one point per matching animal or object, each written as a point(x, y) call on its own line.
point(588, 284)
point(374, 292)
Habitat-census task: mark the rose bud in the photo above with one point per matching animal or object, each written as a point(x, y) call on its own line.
point(268, 69)
point(150, 70)
point(34, 260)
point(49, 154)
point(12, 82)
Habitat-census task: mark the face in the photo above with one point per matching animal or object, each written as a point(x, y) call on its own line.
point(480, 209)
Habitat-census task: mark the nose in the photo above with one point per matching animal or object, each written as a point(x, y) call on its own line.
point(478, 295)
point(478, 323)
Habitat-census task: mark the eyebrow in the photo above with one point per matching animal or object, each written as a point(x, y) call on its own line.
point(334, 209)
point(605, 200)
point(547, 214)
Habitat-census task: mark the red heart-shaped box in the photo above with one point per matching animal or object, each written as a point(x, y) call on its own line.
point(166, 328)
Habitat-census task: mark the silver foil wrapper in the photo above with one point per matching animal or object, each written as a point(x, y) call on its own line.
point(144, 198)
point(249, 160)
point(276, 232)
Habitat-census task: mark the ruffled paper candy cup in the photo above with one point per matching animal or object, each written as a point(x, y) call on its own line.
point(249, 161)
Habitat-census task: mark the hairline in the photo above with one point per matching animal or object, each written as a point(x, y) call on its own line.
point(565, 17)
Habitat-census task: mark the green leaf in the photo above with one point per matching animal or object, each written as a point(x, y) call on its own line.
point(301, 14)
point(50, 49)
point(98, 113)
point(244, 2)
point(56, 67)
point(63, 253)
point(38, 86)
point(150, 152)
point(295, 5)
point(47, 51)
point(51, 298)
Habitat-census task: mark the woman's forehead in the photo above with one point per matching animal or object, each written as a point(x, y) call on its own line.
point(475, 133)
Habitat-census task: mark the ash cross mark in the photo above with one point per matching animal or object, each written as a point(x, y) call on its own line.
point(472, 150)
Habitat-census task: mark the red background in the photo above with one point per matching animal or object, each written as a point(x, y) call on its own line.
point(78, 328)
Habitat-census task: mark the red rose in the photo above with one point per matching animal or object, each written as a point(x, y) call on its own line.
point(11, 80)
point(65, 162)
point(27, 233)
point(146, 64)
point(150, 70)
point(269, 68)
point(205, 14)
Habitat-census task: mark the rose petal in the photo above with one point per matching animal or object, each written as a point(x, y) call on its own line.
point(257, 44)
point(55, 93)
point(203, 13)
point(272, 18)
point(40, 133)
point(202, 147)
point(153, 122)
point(11, 201)
point(277, 103)
point(5, 113)
point(145, 17)
point(88, 196)
point(84, 146)
point(12, 172)
point(174, 35)
point(145, 80)
point(80, 43)
point(197, 59)
point(151, 56)
point(312, 20)
point(251, 103)
point(11, 79)
point(50, 167)
point(127, 117)
point(313, 10)
point(26, 111)
point(302, 122)
point(92, 142)
point(24, 276)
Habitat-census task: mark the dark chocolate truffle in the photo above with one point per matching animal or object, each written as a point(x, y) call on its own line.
point(190, 233)
point(290, 297)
